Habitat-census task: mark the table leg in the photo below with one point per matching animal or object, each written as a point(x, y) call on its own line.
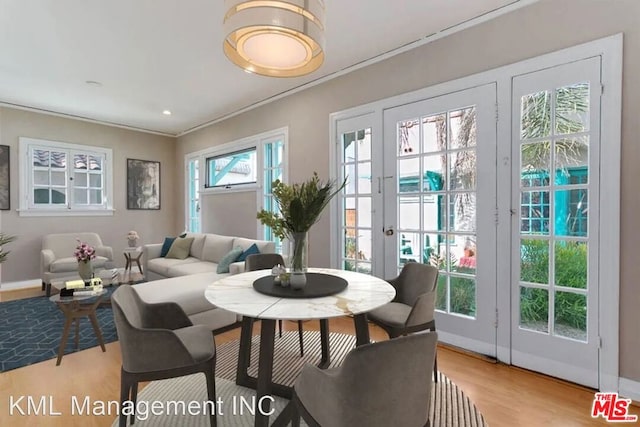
point(362, 329)
point(265, 372)
point(324, 342)
point(96, 329)
point(127, 262)
point(244, 353)
point(77, 340)
point(68, 319)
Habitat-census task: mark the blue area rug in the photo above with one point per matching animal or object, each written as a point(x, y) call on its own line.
point(31, 330)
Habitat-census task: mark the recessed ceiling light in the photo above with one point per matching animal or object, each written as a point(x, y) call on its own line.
point(93, 83)
point(166, 112)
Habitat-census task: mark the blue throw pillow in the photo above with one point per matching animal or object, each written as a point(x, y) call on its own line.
point(168, 241)
point(231, 257)
point(253, 249)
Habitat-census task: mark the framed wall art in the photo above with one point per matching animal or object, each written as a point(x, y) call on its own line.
point(5, 184)
point(143, 184)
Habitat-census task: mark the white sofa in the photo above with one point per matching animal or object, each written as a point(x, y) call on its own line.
point(184, 281)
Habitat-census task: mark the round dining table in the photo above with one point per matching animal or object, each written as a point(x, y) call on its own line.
point(236, 293)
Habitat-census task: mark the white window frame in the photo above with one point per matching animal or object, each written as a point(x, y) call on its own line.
point(187, 196)
point(26, 205)
point(258, 141)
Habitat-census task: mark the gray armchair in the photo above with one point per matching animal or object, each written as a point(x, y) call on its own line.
point(262, 262)
point(382, 384)
point(413, 308)
point(158, 341)
point(57, 260)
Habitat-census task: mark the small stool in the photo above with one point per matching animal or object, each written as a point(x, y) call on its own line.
point(132, 255)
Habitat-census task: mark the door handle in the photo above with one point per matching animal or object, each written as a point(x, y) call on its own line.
point(389, 231)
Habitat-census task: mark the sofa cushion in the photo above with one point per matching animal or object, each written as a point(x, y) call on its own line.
point(197, 246)
point(186, 291)
point(192, 268)
point(180, 248)
point(166, 245)
point(264, 246)
point(231, 256)
point(253, 249)
point(215, 247)
point(63, 265)
point(162, 265)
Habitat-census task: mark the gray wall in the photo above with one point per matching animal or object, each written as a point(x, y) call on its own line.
point(24, 261)
point(543, 27)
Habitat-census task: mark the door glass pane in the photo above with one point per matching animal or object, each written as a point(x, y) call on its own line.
point(572, 108)
point(349, 147)
point(410, 248)
point(408, 137)
point(433, 211)
point(462, 212)
point(434, 173)
point(95, 197)
point(58, 178)
point(364, 178)
point(350, 174)
point(463, 295)
point(434, 245)
point(350, 250)
point(535, 161)
point(463, 128)
point(409, 213)
point(572, 160)
point(571, 211)
point(462, 170)
point(95, 163)
point(80, 161)
point(409, 173)
point(434, 130)
point(571, 264)
point(80, 179)
point(58, 196)
point(58, 160)
point(442, 293)
point(534, 261)
point(535, 113)
point(534, 212)
point(364, 212)
point(41, 196)
point(570, 320)
point(534, 309)
point(365, 245)
point(364, 144)
point(95, 180)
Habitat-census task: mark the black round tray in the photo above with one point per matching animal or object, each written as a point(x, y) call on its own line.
point(318, 285)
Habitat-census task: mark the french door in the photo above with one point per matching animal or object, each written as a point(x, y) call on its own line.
point(556, 167)
point(439, 197)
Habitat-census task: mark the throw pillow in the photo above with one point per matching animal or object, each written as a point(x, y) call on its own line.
point(168, 241)
point(180, 248)
point(230, 257)
point(253, 249)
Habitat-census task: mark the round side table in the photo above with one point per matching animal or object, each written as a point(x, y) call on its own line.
point(132, 255)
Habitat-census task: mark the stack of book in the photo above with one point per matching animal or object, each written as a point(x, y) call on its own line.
point(108, 274)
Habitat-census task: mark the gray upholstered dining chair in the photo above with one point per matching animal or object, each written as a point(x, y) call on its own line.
point(413, 308)
point(264, 261)
point(381, 384)
point(158, 341)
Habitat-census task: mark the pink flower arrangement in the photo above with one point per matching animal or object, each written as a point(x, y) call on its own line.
point(84, 252)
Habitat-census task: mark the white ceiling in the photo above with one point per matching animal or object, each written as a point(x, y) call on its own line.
point(152, 55)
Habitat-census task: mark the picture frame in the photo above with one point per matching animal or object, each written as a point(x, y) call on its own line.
point(5, 178)
point(143, 184)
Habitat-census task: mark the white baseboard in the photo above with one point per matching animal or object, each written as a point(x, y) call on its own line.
point(20, 285)
point(629, 389)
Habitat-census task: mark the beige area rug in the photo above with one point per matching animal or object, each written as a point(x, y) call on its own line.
point(449, 405)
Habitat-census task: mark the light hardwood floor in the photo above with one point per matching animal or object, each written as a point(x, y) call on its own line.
point(505, 395)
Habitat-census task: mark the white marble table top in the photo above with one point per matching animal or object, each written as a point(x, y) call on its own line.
point(235, 293)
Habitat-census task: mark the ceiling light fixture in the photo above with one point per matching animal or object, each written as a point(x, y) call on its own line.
point(166, 112)
point(276, 38)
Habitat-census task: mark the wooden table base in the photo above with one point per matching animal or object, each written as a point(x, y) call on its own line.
point(73, 311)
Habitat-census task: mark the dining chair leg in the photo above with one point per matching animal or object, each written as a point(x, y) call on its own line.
point(300, 333)
point(134, 400)
point(280, 328)
point(211, 390)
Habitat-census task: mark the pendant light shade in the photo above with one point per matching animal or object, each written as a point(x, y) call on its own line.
point(283, 38)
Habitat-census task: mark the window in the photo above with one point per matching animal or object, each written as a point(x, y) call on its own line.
point(232, 169)
point(193, 195)
point(64, 179)
point(273, 169)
